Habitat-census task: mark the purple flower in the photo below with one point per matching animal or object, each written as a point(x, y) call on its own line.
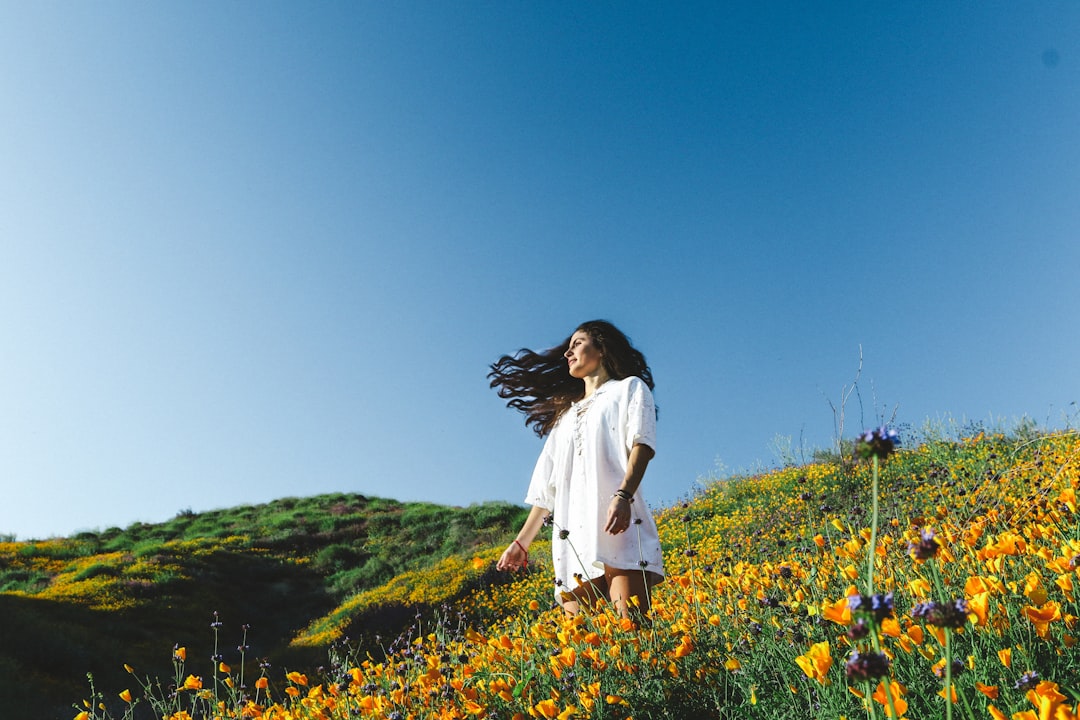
point(879, 443)
point(1028, 680)
point(926, 548)
point(858, 630)
point(862, 667)
point(878, 607)
point(946, 615)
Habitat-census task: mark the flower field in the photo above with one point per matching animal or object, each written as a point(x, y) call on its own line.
point(936, 581)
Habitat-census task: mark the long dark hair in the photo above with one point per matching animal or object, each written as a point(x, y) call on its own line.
point(539, 384)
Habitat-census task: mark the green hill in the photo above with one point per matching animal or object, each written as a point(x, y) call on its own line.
point(971, 546)
point(93, 602)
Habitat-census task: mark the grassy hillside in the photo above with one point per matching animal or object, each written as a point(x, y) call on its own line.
point(90, 603)
point(767, 612)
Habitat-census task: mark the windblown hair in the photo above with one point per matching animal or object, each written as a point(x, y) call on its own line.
point(539, 384)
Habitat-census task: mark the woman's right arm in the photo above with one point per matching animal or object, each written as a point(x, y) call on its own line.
point(516, 554)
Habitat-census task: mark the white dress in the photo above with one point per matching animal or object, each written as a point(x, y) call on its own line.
point(581, 466)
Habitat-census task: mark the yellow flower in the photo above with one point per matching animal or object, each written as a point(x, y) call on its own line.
point(732, 664)
point(898, 702)
point(816, 662)
point(126, 696)
point(180, 654)
point(990, 691)
point(1042, 616)
point(83, 716)
point(1046, 697)
point(1005, 656)
point(298, 678)
point(192, 683)
point(839, 612)
point(262, 683)
point(547, 708)
point(686, 646)
point(1034, 590)
point(979, 606)
point(920, 587)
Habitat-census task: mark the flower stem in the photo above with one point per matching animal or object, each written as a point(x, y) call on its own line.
point(873, 532)
point(948, 673)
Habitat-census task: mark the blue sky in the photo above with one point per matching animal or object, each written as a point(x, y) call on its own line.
point(258, 250)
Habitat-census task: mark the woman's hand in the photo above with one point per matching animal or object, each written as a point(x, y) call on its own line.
point(618, 516)
point(514, 557)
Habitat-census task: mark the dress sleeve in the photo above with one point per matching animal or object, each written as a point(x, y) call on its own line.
point(640, 416)
point(542, 486)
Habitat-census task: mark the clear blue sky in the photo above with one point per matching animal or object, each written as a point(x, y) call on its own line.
point(257, 250)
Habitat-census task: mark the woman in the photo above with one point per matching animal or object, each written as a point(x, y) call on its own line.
point(591, 397)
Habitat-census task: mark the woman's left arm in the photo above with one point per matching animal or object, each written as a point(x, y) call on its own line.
point(618, 519)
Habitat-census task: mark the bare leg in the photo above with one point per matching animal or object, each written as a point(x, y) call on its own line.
point(624, 585)
point(588, 593)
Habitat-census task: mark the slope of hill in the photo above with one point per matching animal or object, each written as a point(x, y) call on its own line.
point(836, 589)
point(91, 603)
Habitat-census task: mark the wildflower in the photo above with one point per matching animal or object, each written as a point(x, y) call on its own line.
point(878, 607)
point(1027, 681)
point(1046, 696)
point(816, 662)
point(1042, 616)
point(957, 667)
point(192, 683)
point(879, 443)
point(839, 612)
point(863, 666)
point(859, 630)
point(126, 696)
point(896, 690)
point(926, 548)
point(947, 615)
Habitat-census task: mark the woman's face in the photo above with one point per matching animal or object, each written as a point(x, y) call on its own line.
point(582, 357)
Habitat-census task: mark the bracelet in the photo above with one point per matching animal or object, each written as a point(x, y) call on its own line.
point(525, 550)
point(623, 495)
